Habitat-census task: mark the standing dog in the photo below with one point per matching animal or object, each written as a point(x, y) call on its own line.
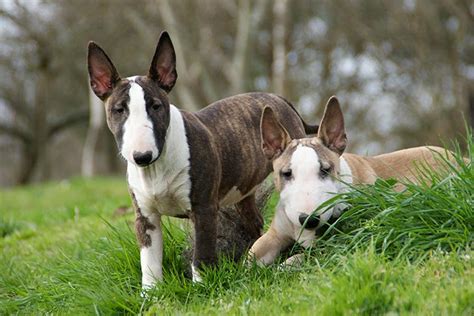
point(307, 172)
point(185, 164)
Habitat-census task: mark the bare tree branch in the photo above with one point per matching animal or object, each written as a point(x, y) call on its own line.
point(14, 99)
point(22, 21)
point(15, 131)
point(67, 121)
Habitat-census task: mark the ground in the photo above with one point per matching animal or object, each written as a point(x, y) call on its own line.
point(69, 248)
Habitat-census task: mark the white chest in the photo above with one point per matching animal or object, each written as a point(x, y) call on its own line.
point(161, 190)
point(165, 186)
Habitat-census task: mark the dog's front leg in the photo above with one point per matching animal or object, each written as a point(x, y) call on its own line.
point(149, 235)
point(265, 250)
point(150, 238)
point(205, 236)
point(278, 237)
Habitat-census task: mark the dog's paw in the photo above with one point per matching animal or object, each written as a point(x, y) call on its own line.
point(292, 262)
point(250, 260)
point(147, 292)
point(144, 293)
point(196, 275)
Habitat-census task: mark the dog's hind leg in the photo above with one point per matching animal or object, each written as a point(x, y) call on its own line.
point(205, 237)
point(251, 216)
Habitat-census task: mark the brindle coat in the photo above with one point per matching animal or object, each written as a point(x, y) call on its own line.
point(223, 140)
point(225, 149)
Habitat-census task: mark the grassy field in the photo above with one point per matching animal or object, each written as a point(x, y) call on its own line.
point(65, 250)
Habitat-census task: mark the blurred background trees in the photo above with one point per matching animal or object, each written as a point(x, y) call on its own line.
point(403, 70)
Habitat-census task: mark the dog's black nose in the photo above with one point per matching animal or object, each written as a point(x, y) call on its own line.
point(142, 159)
point(309, 223)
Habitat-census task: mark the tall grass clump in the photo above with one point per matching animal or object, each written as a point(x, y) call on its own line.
point(436, 214)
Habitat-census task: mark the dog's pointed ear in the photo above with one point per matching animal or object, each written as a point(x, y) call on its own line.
point(102, 73)
point(163, 66)
point(274, 136)
point(331, 129)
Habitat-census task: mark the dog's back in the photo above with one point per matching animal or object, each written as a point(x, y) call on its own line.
point(404, 165)
point(234, 123)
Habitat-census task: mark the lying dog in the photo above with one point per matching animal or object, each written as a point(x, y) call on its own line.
point(185, 164)
point(307, 172)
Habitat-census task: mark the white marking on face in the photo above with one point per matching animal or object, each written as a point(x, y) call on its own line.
point(151, 257)
point(165, 185)
point(138, 133)
point(306, 191)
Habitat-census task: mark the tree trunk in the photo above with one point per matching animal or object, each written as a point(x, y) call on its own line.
point(29, 155)
point(96, 122)
point(279, 47)
point(248, 20)
point(241, 47)
point(40, 123)
point(185, 94)
point(471, 108)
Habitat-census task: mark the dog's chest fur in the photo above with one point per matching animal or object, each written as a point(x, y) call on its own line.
point(165, 185)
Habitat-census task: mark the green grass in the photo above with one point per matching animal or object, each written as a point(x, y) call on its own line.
point(63, 251)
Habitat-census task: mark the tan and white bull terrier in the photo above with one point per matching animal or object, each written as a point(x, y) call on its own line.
point(309, 171)
point(185, 164)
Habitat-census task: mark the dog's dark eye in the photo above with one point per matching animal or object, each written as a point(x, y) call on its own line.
point(155, 106)
point(325, 171)
point(287, 174)
point(118, 109)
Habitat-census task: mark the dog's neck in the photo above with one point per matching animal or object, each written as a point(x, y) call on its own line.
point(173, 163)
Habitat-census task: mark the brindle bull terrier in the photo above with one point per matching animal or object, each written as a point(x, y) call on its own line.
point(185, 164)
point(309, 171)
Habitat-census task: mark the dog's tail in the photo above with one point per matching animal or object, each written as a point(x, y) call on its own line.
point(308, 129)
